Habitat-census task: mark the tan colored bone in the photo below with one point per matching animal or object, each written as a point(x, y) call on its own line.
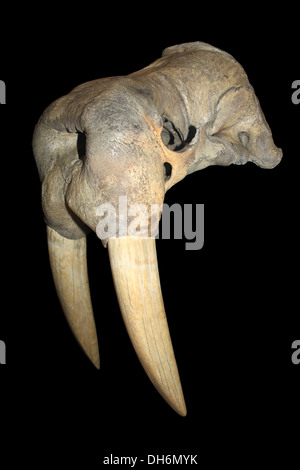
point(136, 279)
point(69, 269)
point(113, 137)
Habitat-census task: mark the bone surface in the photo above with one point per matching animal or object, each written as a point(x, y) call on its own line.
point(137, 136)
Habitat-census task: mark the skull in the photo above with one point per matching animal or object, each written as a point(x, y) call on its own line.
point(137, 136)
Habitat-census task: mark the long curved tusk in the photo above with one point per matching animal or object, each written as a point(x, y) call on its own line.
point(69, 269)
point(136, 278)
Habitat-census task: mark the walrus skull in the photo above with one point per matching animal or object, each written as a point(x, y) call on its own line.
point(137, 136)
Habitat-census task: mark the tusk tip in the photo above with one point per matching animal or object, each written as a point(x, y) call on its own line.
point(92, 353)
point(182, 411)
point(179, 406)
point(96, 362)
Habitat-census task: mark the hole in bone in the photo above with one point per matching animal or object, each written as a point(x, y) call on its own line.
point(191, 134)
point(81, 141)
point(244, 138)
point(173, 137)
point(168, 171)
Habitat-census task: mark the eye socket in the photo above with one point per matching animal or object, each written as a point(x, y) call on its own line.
point(173, 138)
point(168, 171)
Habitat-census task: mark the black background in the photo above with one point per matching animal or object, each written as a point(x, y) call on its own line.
point(232, 306)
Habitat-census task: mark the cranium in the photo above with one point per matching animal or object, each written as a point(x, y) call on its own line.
point(137, 136)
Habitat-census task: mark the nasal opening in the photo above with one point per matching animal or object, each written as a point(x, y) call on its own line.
point(168, 170)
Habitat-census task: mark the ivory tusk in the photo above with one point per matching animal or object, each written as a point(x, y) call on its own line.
point(69, 269)
point(136, 278)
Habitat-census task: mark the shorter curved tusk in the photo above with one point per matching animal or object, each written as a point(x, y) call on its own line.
point(69, 269)
point(136, 278)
